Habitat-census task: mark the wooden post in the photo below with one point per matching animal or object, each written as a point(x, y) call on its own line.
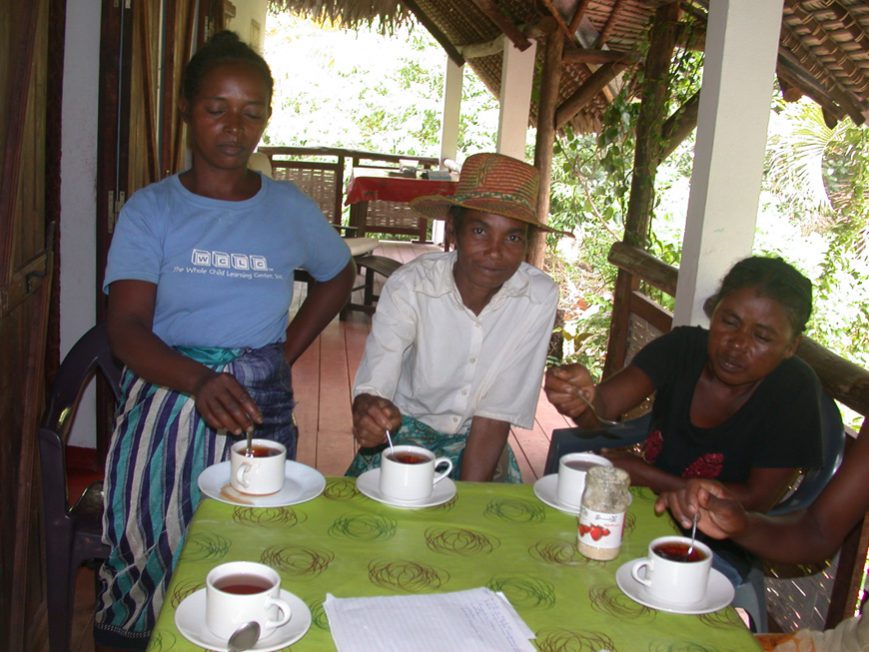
point(549, 82)
point(646, 156)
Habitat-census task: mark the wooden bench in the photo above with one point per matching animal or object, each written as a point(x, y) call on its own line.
point(371, 264)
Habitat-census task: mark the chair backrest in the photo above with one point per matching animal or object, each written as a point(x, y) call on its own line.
point(89, 356)
point(578, 440)
point(813, 481)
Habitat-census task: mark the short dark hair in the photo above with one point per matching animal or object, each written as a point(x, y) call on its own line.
point(773, 278)
point(222, 47)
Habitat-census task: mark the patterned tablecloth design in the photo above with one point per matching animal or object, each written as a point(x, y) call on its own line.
point(494, 535)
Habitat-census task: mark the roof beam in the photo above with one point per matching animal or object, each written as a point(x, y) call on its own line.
point(595, 84)
point(598, 57)
point(490, 9)
point(480, 50)
point(435, 31)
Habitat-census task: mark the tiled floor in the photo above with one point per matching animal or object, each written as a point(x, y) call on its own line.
point(322, 380)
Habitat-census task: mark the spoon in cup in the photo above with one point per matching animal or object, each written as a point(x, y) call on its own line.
point(248, 452)
point(693, 533)
point(389, 439)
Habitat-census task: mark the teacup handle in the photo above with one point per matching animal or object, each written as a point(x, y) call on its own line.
point(440, 476)
point(284, 618)
point(635, 571)
point(240, 474)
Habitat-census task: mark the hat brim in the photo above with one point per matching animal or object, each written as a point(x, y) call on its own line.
point(437, 207)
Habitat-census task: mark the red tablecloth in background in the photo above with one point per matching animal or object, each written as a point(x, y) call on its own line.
point(377, 184)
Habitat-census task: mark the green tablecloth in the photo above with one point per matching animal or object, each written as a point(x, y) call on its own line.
point(495, 535)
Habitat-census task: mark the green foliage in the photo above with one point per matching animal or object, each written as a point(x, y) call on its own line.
point(361, 90)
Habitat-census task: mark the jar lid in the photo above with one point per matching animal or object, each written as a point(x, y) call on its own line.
point(608, 475)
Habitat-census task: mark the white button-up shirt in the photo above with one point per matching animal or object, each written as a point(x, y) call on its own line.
point(442, 364)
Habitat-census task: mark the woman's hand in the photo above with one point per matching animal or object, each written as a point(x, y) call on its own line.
point(225, 404)
point(372, 417)
point(719, 514)
point(563, 386)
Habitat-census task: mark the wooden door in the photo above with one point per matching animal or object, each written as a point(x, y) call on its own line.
point(25, 267)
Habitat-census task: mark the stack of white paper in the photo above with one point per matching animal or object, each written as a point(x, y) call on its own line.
point(478, 620)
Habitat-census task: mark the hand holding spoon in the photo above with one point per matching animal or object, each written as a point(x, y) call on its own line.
point(605, 422)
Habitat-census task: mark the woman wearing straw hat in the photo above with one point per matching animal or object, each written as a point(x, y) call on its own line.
point(458, 342)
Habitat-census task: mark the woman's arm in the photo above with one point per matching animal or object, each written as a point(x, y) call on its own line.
point(808, 535)
point(485, 443)
point(323, 302)
point(222, 402)
point(611, 398)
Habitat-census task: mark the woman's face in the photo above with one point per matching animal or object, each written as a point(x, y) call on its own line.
point(490, 249)
point(228, 115)
point(749, 335)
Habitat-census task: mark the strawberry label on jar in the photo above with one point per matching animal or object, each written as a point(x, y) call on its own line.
point(599, 534)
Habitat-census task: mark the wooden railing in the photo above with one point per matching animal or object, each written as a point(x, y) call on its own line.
point(637, 318)
point(321, 173)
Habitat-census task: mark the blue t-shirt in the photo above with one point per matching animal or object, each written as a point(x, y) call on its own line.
point(223, 269)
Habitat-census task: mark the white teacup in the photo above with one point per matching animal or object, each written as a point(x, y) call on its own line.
point(670, 575)
point(571, 476)
point(408, 472)
point(240, 591)
point(261, 473)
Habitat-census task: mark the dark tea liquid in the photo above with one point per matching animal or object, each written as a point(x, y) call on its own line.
point(243, 584)
point(676, 551)
point(408, 458)
point(579, 465)
point(262, 451)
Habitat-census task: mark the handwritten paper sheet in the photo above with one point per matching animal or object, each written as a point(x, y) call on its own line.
point(478, 620)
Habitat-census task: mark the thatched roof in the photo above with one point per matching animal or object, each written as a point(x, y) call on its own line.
point(823, 52)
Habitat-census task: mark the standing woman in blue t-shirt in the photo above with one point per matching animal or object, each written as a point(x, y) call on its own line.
point(200, 281)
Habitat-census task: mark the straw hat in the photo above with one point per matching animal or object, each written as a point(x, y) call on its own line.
point(493, 183)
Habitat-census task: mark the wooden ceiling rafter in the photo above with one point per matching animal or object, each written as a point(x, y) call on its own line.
point(604, 35)
point(590, 56)
point(818, 31)
point(817, 71)
point(561, 25)
point(594, 85)
point(505, 24)
point(436, 32)
point(577, 17)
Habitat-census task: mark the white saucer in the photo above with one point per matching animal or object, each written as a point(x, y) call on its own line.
point(369, 484)
point(719, 593)
point(190, 621)
point(301, 483)
point(546, 489)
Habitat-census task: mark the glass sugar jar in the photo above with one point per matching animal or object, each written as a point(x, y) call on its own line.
point(602, 512)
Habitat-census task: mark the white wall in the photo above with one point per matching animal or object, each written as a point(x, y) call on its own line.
point(245, 12)
point(78, 169)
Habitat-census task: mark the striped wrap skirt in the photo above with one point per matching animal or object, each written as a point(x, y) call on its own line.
point(159, 447)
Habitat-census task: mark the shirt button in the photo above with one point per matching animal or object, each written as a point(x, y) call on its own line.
point(455, 418)
point(464, 392)
point(472, 360)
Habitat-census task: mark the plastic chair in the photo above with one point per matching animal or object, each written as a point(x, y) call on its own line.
point(750, 594)
point(73, 531)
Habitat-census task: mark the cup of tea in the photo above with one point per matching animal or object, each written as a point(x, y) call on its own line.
point(262, 471)
point(240, 591)
point(571, 476)
point(674, 572)
point(410, 473)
